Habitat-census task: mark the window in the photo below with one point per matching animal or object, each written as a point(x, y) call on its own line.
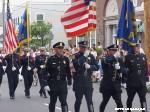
point(39, 17)
point(135, 3)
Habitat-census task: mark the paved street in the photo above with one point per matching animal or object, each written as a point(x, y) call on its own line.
point(38, 104)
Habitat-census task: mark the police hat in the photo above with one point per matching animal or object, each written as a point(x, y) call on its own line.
point(59, 45)
point(112, 47)
point(137, 45)
point(83, 43)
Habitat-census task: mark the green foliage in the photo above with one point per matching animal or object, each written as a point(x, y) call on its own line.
point(99, 51)
point(40, 29)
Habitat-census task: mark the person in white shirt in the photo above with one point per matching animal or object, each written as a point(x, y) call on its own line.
point(93, 52)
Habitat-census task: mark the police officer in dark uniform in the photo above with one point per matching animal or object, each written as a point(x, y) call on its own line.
point(1, 68)
point(27, 71)
point(84, 64)
point(111, 82)
point(12, 70)
point(136, 64)
point(39, 63)
point(58, 69)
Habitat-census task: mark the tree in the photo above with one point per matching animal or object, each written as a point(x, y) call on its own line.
point(40, 31)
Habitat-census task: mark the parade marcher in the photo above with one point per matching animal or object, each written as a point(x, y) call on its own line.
point(111, 83)
point(1, 68)
point(39, 64)
point(12, 71)
point(137, 76)
point(58, 69)
point(27, 71)
point(84, 64)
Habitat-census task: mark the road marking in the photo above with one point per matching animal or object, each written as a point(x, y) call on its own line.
point(55, 107)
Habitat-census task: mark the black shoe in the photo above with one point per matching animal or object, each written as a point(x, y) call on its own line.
point(12, 97)
point(28, 96)
point(45, 96)
point(41, 95)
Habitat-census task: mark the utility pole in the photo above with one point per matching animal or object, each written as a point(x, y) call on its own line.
point(3, 11)
point(147, 28)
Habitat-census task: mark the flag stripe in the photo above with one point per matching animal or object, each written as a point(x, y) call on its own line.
point(80, 14)
point(75, 20)
point(77, 32)
point(11, 42)
point(76, 23)
point(77, 27)
point(79, 18)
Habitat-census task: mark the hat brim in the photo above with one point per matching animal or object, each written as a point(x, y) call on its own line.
point(59, 47)
point(112, 48)
point(83, 45)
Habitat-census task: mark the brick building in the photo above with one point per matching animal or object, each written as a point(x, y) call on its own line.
point(108, 12)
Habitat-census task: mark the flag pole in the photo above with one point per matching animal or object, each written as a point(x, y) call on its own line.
point(27, 30)
point(147, 28)
point(3, 25)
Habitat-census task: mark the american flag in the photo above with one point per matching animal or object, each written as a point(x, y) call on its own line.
point(79, 18)
point(11, 42)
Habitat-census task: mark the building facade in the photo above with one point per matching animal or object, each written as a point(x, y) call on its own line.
point(108, 12)
point(45, 11)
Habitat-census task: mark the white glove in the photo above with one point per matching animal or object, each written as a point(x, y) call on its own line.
point(42, 66)
point(86, 53)
point(29, 68)
point(13, 68)
point(124, 85)
point(87, 66)
point(117, 66)
point(147, 83)
point(117, 54)
point(47, 88)
point(0, 60)
point(28, 54)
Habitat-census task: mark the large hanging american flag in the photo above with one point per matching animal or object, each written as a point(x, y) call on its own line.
point(11, 42)
point(79, 18)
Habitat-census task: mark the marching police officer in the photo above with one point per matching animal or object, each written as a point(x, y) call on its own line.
point(111, 82)
point(27, 71)
point(39, 63)
point(58, 69)
point(12, 70)
point(136, 64)
point(84, 64)
point(1, 68)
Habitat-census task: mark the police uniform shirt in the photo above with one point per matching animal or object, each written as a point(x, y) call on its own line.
point(137, 69)
point(58, 68)
point(10, 63)
point(25, 62)
point(40, 60)
point(1, 65)
point(81, 77)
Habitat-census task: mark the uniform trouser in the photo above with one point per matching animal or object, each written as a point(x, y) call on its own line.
point(131, 91)
point(106, 96)
point(62, 94)
point(28, 80)
point(1, 77)
point(42, 91)
point(79, 92)
point(13, 80)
